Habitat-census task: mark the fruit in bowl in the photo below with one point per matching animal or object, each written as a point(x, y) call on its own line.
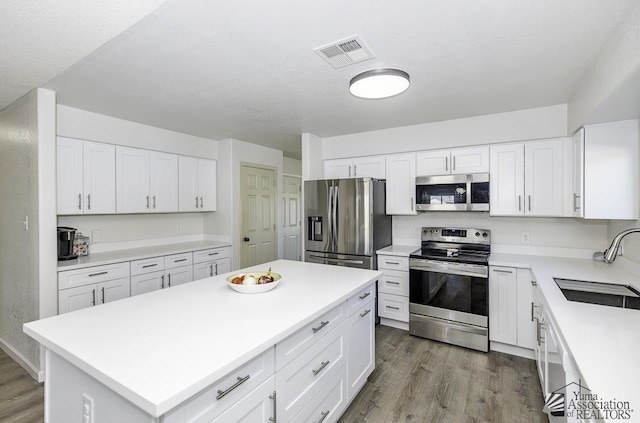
point(254, 282)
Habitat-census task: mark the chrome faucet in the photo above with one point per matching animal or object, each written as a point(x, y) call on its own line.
point(611, 252)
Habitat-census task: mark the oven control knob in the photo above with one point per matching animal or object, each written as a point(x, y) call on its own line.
point(477, 234)
point(484, 234)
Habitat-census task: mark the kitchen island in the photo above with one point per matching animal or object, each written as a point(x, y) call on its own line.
point(195, 351)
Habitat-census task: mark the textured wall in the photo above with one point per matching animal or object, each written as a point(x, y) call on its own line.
point(19, 194)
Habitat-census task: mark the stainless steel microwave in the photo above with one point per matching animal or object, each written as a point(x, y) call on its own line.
point(453, 192)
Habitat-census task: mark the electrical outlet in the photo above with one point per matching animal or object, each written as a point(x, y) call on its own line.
point(178, 229)
point(412, 231)
point(525, 237)
point(87, 409)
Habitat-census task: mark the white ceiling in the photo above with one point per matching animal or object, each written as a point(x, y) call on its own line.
point(247, 69)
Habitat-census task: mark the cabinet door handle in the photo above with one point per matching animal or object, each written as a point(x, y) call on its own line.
point(240, 381)
point(519, 203)
point(169, 280)
point(446, 164)
point(501, 271)
point(355, 170)
point(365, 313)
point(324, 415)
point(322, 324)
point(201, 203)
point(147, 201)
point(349, 170)
point(103, 295)
point(273, 397)
point(93, 297)
point(576, 207)
point(88, 201)
point(162, 282)
point(529, 203)
point(454, 163)
point(365, 295)
point(79, 201)
point(98, 274)
point(393, 308)
point(196, 202)
point(323, 364)
point(154, 201)
point(216, 272)
point(211, 270)
point(534, 283)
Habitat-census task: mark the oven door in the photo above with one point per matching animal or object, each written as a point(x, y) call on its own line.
point(452, 291)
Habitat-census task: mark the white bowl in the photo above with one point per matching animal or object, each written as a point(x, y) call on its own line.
point(257, 288)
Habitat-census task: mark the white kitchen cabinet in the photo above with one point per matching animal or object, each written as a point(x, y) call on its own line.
point(503, 287)
point(85, 177)
point(197, 181)
point(210, 268)
point(146, 181)
point(357, 167)
point(401, 184)
point(329, 403)
point(147, 282)
point(525, 322)
point(455, 161)
point(258, 406)
point(393, 291)
point(605, 166)
point(178, 275)
point(91, 295)
point(360, 347)
point(527, 179)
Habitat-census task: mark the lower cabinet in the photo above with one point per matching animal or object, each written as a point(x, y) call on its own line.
point(361, 348)
point(329, 403)
point(178, 275)
point(258, 405)
point(210, 268)
point(148, 282)
point(91, 295)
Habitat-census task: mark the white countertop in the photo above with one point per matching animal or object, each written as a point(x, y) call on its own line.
point(604, 341)
point(161, 348)
point(117, 256)
point(398, 250)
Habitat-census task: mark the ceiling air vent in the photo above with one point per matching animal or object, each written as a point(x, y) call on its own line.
point(345, 52)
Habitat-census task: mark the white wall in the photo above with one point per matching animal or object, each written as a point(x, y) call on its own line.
point(543, 122)
point(244, 152)
point(119, 229)
point(218, 226)
point(292, 167)
point(312, 167)
point(19, 285)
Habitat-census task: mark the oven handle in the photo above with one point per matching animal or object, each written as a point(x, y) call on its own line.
point(450, 270)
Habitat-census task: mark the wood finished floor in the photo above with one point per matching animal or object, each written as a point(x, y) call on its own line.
point(415, 381)
point(422, 381)
point(21, 397)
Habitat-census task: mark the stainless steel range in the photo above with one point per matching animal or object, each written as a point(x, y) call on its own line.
point(449, 287)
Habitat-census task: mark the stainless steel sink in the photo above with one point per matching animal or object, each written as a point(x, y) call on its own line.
point(608, 294)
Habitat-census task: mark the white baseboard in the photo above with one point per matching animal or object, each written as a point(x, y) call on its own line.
point(511, 350)
point(33, 370)
point(394, 324)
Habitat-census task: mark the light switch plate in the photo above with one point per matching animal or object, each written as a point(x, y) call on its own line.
point(96, 236)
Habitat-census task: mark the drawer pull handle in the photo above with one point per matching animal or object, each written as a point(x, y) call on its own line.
point(149, 265)
point(365, 295)
point(393, 283)
point(177, 261)
point(534, 283)
point(502, 271)
point(98, 274)
point(240, 381)
point(322, 324)
point(319, 369)
point(324, 415)
point(393, 308)
point(365, 313)
point(392, 262)
point(213, 254)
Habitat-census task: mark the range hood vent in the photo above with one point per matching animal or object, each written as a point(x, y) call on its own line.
point(345, 52)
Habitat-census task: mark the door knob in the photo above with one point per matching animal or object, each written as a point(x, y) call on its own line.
point(246, 239)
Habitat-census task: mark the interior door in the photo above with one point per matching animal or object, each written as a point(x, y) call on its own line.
point(292, 221)
point(351, 199)
point(257, 192)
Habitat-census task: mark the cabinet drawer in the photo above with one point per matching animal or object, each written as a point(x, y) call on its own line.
point(140, 267)
point(89, 275)
point(177, 260)
point(210, 254)
point(218, 397)
point(295, 344)
point(394, 282)
point(393, 263)
point(393, 307)
point(356, 301)
point(328, 405)
point(301, 380)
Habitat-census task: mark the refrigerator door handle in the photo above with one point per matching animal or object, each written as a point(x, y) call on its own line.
point(332, 260)
point(336, 192)
point(330, 217)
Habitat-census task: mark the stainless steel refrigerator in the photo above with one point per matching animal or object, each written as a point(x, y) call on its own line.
point(345, 221)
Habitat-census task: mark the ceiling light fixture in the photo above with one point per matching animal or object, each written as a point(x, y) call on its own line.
point(379, 83)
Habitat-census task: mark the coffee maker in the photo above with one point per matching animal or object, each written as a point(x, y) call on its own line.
point(66, 236)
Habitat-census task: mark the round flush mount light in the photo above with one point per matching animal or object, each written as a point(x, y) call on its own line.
point(379, 83)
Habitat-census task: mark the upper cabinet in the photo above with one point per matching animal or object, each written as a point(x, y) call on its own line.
point(197, 184)
point(357, 167)
point(605, 163)
point(401, 184)
point(527, 179)
point(146, 181)
point(456, 161)
point(85, 177)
